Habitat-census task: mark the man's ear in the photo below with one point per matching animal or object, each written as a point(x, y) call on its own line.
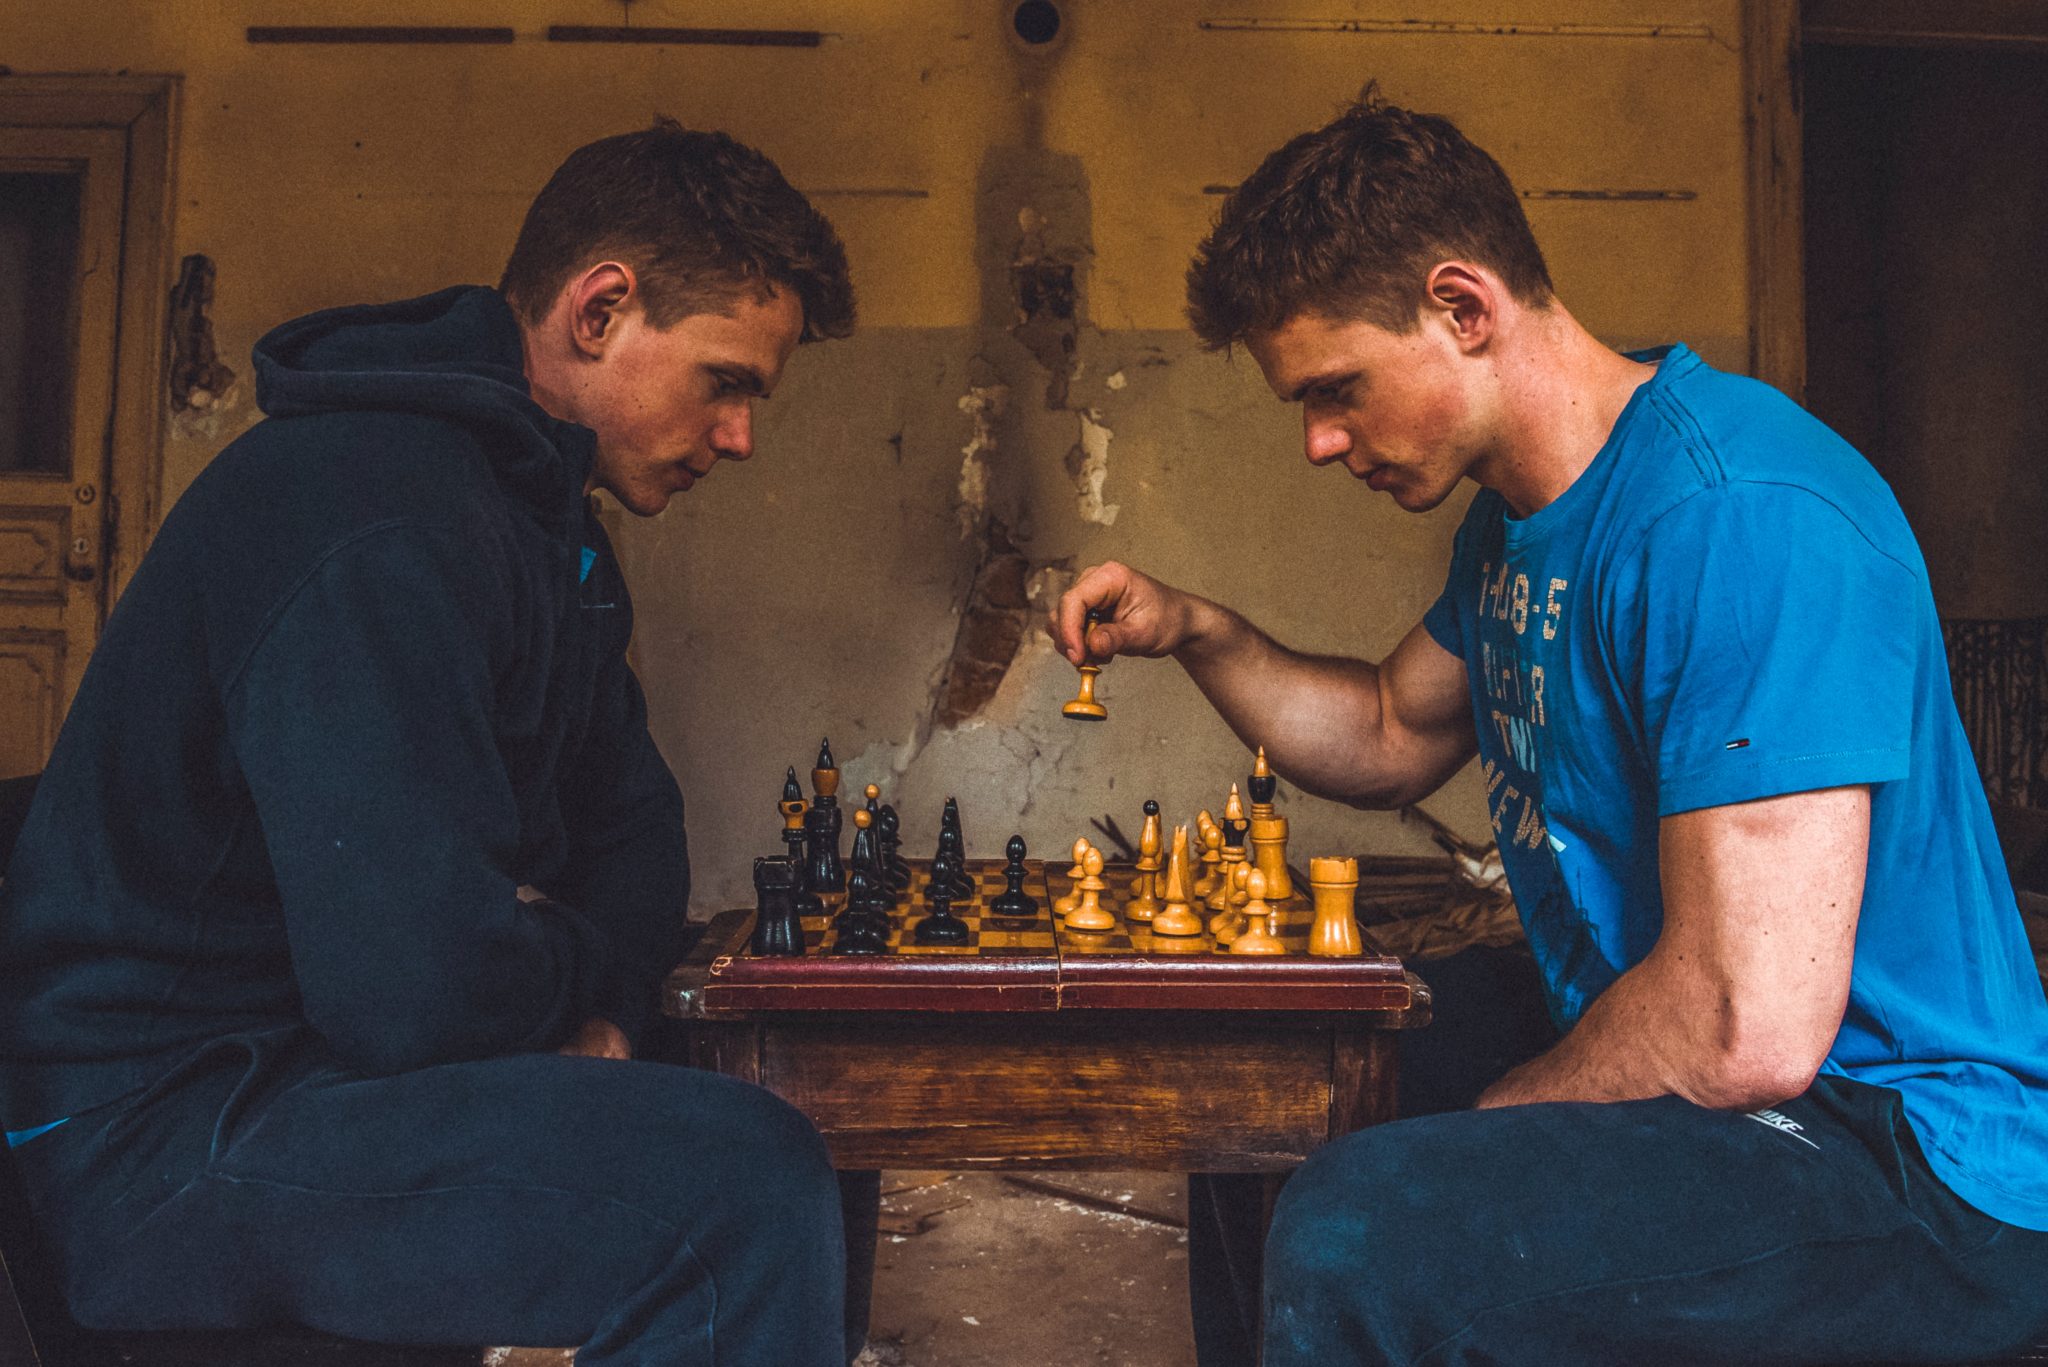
point(597, 300)
point(1466, 299)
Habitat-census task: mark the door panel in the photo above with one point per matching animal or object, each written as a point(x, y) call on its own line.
point(53, 564)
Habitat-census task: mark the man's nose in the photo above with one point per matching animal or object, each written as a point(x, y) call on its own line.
point(733, 438)
point(1324, 442)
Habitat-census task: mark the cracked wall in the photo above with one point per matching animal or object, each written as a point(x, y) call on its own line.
point(1024, 398)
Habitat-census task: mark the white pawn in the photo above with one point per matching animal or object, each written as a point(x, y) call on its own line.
point(1090, 915)
point(1073, 898)
point(1257, 936)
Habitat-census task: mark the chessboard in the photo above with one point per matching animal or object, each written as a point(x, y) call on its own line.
point(1012, 964)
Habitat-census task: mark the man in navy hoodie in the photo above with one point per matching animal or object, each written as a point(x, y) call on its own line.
point(350, 885)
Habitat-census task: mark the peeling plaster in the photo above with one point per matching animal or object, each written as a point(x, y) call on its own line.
point(983, 404)
point(1089, 463)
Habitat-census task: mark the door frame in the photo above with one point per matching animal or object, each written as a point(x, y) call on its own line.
point(145, 109)
point(1773, 34)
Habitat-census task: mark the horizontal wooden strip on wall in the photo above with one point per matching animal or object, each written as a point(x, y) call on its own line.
point(378, 34)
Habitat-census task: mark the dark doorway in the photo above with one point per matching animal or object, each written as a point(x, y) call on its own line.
point(1926, 193)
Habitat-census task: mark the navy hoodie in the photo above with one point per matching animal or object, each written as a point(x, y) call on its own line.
point(366, 684)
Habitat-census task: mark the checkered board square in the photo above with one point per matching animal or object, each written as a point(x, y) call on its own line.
point(988, 936)
point(1295, 914)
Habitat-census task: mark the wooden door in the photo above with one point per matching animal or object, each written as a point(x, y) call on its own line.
point(61, 196)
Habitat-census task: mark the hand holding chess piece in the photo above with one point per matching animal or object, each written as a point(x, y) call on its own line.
point(1114, 610)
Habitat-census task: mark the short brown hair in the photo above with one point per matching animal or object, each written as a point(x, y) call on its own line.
point(1348, 220)
point(700, 217)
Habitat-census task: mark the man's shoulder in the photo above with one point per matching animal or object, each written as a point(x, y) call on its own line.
point(1713, 441)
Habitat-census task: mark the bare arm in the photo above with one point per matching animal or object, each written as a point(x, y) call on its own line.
point(1372, 735)
point(1740, 1000)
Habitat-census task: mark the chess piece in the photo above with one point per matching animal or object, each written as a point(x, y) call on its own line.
point(1334, 884)
point(1013, 900)
point(859, 930)
point(1084, 707)
point(1231, 854)
point(1269, 832)
point(1211, 840)
point(896, 872)
point(1073, 899)
point(825, 824)
point(778, 930)
point(1089, 915)
point(874, 899)
point(952, 838)
point(1229, 923)
point(941, 927)
point(1144, 903)
point(1258, 936)
point(1177, 918)
point(793, 808)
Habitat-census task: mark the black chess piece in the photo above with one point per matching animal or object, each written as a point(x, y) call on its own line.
point(793, 809)
point(888, 840)
point(778, 930)
point(859, 930)
point(959, 886)
point(941, 927)
point(827, 873)
point(1262, 786)
point(949, 828)
point(1013, 900)
point(1235, 833)
point(875, 898)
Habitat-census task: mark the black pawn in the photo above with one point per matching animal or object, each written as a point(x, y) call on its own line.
point(942, 927)
point(778, 930)
point(1013, 900)
point(860, 930)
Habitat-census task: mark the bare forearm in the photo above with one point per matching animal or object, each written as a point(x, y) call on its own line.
point(1658, 1031)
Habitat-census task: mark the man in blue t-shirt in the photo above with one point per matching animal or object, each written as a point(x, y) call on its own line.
point(1794, 1104)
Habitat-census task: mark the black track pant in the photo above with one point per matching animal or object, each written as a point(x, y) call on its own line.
point(652, 1214)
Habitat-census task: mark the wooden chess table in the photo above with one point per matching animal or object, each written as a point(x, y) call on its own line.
point(1036, 1046)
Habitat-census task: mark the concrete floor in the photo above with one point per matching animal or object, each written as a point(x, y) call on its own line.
point(1022, 1270)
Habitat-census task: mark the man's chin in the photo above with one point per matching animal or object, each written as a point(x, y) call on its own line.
point(1413, 499)
point(644, 502)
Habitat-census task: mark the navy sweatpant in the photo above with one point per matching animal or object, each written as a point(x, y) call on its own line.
point(650, 1213)
point(1637, 1232)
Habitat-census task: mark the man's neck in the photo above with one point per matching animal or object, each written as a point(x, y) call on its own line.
point(1562, 391)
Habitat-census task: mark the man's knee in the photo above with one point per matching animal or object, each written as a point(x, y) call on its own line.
point(1338, 1256)
point(775, 1169)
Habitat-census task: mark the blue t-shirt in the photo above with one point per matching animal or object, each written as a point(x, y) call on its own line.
point(1728, 605)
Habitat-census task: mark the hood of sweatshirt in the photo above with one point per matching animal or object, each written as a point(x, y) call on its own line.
point(454, 354)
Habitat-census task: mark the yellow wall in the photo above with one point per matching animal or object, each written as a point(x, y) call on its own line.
point(316, 176)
